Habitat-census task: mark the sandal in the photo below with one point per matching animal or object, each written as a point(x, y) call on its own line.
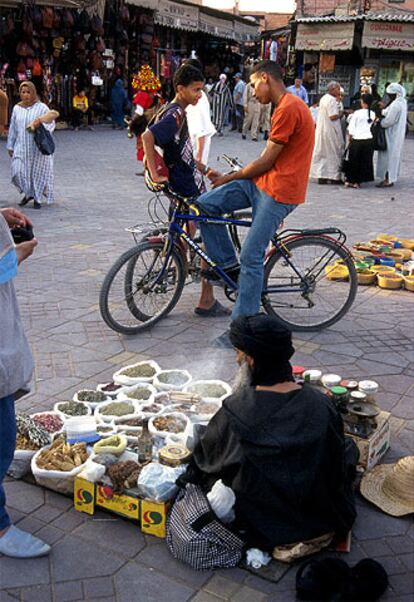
point(384, 184)
point(217, 310)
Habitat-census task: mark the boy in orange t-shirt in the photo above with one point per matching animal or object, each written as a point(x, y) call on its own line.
point(273, 185)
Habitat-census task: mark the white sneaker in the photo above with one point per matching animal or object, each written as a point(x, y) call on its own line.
point(20, 544)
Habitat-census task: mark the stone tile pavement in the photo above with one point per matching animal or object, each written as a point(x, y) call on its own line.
point(104, 557)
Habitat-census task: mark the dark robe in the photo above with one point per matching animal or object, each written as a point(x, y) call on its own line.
point(284, 455)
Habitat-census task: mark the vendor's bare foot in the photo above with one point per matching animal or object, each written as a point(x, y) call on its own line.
point(25, 249)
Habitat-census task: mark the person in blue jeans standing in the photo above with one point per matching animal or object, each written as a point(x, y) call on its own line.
point(273, 185)
point(16, 367)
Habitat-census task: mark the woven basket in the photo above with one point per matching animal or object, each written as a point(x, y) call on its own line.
point(409, 283)
point(379, 269)
point(389, 280)
point(336, 272)
point(387, 237)
point(407, 243)
point(366, 277)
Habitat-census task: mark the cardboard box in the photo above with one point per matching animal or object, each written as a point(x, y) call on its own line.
point(151, 515)
point(374, 448)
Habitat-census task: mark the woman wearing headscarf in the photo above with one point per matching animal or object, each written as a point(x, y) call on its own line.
point(119, 100)
point(32, 172)
point(360, 167)
point(394, 122)
point(221, 100)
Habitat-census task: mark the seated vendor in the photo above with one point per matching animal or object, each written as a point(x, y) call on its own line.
point(278, 445)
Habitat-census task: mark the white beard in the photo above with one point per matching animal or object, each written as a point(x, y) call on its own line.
point(243, 377)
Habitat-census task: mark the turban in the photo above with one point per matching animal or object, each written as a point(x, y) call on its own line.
point(396, 89)
point(262, 336)
point(222, 77)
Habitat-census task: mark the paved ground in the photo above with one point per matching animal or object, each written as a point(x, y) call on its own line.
point(105, 558)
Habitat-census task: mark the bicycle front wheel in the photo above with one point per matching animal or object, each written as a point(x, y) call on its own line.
point(305, 292)
point(142, 287)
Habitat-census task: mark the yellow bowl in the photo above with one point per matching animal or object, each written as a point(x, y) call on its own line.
point(407, 243)
point(366, 277)
point(409, 283)
point(379, 269)
point(336, 272)
point(387, 237)
point(389, 280)
point(406, 254)
point(397, 255)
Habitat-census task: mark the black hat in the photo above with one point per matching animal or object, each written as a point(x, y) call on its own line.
point(261, 335)
point(321, 579)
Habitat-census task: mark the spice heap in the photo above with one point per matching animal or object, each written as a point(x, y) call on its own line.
point(91, 396)
point(173, 377)
point(118, 408)
point(73, 408)
point(172, 424)
point(144, 370)
point(29, 435)
point(139, 393)
point(123, 474)
point(208, 390)
point(62, 456)
point(50, 422)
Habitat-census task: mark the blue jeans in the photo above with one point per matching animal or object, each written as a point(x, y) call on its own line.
point(7, 446)
point(267, 216)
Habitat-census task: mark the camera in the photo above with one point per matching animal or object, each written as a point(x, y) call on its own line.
point(22, 233)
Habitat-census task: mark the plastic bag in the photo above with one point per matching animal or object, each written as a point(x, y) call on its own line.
point(156, 482)
point(20, 465)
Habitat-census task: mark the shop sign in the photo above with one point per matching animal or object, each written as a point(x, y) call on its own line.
point(221, 28)
point(388, 35)
point(178, 16)
point(325, 36)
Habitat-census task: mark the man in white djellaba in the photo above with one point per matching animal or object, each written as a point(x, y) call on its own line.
point(329, 138)
point(394, 122)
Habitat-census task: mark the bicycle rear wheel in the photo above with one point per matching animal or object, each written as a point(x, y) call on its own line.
point(315, 300)
point(142, 286)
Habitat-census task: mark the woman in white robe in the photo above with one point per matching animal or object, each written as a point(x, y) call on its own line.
point(32, 172)
point(394, 122)
point(329, 138)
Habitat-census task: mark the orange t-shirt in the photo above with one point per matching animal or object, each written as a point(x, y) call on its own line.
point(292, 126)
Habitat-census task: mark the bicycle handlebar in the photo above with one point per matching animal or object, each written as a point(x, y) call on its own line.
point(233, 162)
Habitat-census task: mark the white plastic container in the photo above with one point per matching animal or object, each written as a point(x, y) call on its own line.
point(369, 387)
point(122, 379)
point(331, 380)
point(81, 428)
point(312, 376)
point(183, 375)
point(192, 388)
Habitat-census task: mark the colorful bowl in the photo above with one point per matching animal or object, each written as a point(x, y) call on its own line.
point(409, 283)
point(336, 272)
point(389, 280)
point(387, 261)
point(366, 277)
point(379, 269)
point(407, 243)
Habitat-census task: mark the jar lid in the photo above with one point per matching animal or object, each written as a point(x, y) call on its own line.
point(339, 390)
point(358, 395)
point(298, 370)
point(174, 453)
point(349, 384)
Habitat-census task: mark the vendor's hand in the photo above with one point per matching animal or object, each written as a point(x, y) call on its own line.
point(25, 249)
point(10, 153)
point(157, 179)
point(222, 180)
point(14, 217)
point(212, 175)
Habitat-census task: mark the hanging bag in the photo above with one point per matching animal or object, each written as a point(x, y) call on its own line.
point(379, 141)
point(44, 140)
point(197, 537)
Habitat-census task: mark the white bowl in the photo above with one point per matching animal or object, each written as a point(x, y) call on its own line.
point(162, 386)
point(192, 388)
point(128, 381)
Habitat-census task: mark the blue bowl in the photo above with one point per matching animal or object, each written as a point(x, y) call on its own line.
point(387, 261)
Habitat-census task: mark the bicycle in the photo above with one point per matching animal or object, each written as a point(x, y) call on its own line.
point(300, 286)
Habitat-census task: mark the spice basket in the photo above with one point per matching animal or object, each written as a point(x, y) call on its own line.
point(111, 394)
point(183, 379)
point(124, 394)
point(199, 415)
point(409, 283)
point(122, 379)
point(60, 481)
point(366, 277)
point(66, 416)
point(115, 417)
point(389, 280)
point(379, 269)
point(51, 413)
point(91, 404)
point(200, 387)
point(181, 436)
point(336, 272)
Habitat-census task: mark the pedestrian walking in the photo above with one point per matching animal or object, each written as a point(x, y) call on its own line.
point(274, 184)
point(200, 126)
point(32, 172)
point(264, 119)
point(119, 104)
point(220, 103)
point(394, 121)
point(16, 367)
point(238, 93)
point(359, 166)
point(251, 113)
point(299, 90)
point(329, 141)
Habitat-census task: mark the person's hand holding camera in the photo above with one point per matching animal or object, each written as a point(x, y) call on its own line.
point(14, 217)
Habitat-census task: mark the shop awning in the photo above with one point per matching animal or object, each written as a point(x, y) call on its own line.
point(54, 3)
point(215, 26)
point(388, 35)
point(324, 36)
